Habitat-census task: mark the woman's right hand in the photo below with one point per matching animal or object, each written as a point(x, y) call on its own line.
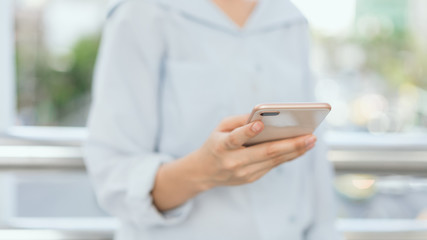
point(224, 161)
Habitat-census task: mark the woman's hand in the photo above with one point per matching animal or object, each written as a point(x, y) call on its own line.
point(224, 161)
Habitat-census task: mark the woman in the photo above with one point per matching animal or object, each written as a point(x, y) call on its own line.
point(162, 155)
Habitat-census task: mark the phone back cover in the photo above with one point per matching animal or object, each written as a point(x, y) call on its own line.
point(289, 123)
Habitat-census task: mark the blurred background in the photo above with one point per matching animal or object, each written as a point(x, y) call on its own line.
point(370, 61)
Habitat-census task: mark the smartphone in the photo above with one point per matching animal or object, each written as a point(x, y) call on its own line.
point(287, 120)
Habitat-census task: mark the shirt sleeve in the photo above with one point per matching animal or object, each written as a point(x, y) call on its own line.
point(121, 150)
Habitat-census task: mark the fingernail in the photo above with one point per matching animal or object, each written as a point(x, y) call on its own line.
point(256, 126)
point(310, 140)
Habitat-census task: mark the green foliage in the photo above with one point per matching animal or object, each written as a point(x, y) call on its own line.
point(61, 82)
point(391, 57)
point(397, 57)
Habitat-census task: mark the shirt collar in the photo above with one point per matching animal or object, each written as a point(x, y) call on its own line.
point(267, 13)
point(275, 13)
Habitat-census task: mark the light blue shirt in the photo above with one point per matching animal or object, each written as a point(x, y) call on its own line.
point(168, 71)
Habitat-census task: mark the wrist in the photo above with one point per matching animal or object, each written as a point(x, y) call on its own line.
point(178, 181)
point(196, 172)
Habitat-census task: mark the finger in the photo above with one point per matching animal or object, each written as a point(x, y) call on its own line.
point(276, 161)
point(271, 150)
point(239, 136)
point(254, 171)
point(230, 123)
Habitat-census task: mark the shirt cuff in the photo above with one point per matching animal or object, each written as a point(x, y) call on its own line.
point(141, 183)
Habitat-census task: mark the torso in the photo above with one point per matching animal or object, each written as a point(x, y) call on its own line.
point(213, 70)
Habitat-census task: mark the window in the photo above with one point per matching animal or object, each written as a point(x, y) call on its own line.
point(370, 57)
point(56, 45)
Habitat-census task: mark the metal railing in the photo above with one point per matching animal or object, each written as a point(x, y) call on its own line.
point(395, 156)
point(47, 157)
point(386, 236)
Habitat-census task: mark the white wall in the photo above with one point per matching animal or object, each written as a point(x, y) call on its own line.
point(7, 86)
